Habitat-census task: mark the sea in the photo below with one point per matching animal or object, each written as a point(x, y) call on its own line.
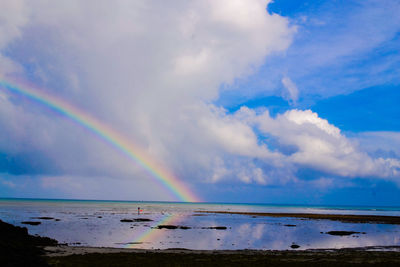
point(163, 225)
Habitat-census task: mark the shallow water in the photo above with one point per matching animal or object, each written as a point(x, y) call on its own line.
point(98, 223)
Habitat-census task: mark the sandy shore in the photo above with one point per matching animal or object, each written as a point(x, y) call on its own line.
point(333, 217)
point(90, 256)
point(61, 250)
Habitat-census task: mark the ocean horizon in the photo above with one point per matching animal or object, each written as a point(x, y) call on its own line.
point(317, 206)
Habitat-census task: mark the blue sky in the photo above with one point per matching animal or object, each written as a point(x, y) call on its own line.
point(299, 104)
point(357, 88)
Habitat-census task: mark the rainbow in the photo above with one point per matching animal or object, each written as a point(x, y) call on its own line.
point(159, 173)
point(151, 234)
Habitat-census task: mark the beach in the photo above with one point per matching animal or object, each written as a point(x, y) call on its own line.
point(21, 249)
point(179, 257)
point(204, 226)
point(185, 234)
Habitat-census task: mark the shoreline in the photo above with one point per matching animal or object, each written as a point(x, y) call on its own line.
point(92, 256)
point(65, 250)
point(22, 249)
point(378, 219)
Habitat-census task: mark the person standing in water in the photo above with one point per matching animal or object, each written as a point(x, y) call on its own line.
point(138, 211)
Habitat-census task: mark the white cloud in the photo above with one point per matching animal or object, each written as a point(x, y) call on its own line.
point(380, 142)
point(307, 117)
point(150, 70)
point(13, 16)
point(320, 145)
point(95, 187)
point(293, 91)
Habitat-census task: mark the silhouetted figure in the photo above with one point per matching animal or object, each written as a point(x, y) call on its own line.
point(138, 211)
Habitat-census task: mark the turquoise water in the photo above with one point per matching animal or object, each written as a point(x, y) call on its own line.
point(98, 223)
point(378, 210)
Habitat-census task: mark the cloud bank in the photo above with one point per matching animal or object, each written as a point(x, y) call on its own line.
point(152, 71)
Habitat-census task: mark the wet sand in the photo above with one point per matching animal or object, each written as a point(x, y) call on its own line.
point(333, 217)
point(89, 256)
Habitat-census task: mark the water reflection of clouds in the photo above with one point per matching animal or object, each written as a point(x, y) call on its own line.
point(307, 233)
point(258, 231)
point(242, 231)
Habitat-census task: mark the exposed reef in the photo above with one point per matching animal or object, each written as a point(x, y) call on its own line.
point(334, 217)
point(137, 220)
point(31, 223)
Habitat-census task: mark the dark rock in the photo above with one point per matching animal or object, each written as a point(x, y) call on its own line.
point(142, 220)
point(215, 227)
point(137, 220)
point(43, 218)
point(341, 233)
point(290, 225)
point(166, 226)
point(31, 223)
point(18, 248)
point(294, 246)
point(126, 220)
